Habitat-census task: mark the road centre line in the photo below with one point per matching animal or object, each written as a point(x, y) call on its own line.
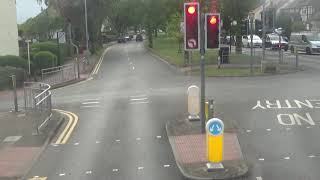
point(86, 100)
point(93, 102)
point(139, 99)
point(146, 102)
point(93, 106)
point(138, 96)
point(73, 120)
point(259, 178)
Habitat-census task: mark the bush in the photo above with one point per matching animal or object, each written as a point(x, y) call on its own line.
point(53, 48)
point(44, 59)
point(13, 61)
point(5, 79)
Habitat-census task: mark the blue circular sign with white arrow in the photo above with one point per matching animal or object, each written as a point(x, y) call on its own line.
point(215, 127)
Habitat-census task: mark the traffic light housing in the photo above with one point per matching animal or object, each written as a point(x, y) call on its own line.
point(191, 26)
point(212, 31)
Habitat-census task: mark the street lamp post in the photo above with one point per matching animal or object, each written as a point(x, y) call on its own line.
point(86, 22)
point(29, 66)
point(251, 15)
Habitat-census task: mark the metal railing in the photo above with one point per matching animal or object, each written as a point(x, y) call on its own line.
point(59, 74)
point(37, 103)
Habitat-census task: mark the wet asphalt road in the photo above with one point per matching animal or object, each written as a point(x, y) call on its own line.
point(123, 110)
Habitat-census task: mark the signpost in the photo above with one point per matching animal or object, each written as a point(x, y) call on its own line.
point(215, 130)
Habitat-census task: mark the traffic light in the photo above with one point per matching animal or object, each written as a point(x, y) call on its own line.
point(212, 31)
point(191, 26)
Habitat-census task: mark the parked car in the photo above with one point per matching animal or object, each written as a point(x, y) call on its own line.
point(308, 42)
point(139, 37)
point(121, 39)
point(246, 41)
point(272, 41)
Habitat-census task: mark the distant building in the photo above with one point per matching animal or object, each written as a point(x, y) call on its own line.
point(8, 28)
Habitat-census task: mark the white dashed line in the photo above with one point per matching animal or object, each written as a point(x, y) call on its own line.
point(138, 139)
point(54, 145)
point(94, 102)
point(94, 106)
point(147, 102)
point(248, 130)
point(158, 137)
point(138, 96)
point(97, 142)
point(62, 174)
point(76, 144)
point(140, 168)
point(133, 68)
point(308, 127)
point(88, 172)
point(87, 100)
point(115, 170)
point(259, 178)
point(311, 156)
point(166, 165)
point(139, 99)
point(117, 140)
point(268, 130)
point(261, 159)
point(286, 158)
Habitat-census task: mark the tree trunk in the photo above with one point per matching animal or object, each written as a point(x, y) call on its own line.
point(149, 34)
point(156, 33)
point(238, 44)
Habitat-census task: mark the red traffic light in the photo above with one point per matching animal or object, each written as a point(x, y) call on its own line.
point(213, 20)
point(191, 9)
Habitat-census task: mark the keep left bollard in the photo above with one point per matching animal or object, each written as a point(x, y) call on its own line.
point(215, 130)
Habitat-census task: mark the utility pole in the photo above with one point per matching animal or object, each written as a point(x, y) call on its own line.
point(251, 42)
point(202, 72)
point(263, 32)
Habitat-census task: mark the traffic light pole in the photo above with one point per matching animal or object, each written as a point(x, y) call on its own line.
point(202, 72)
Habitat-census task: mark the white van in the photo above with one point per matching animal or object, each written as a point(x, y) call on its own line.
point(308, 42)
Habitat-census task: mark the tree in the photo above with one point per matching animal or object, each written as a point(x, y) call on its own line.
point(238, 11)
point(298, 26)
point(284, 21)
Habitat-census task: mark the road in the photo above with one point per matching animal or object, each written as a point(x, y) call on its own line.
point(123, 110)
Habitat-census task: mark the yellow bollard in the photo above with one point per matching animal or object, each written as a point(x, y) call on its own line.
point(206, 110)
point(215, 129)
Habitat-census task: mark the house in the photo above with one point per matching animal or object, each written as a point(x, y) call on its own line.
point(9, 28)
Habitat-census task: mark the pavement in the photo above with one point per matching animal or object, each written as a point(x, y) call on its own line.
point(123, 110)
point(190, 150)
point(19, 147)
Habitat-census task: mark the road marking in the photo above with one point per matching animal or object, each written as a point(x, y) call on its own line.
point(76, 144)
point(268, 130)
point(93, 106)
point(88, 172)
point(97, 142)
point(138, 96)
point(311, 156)
point(158, 137)
point(288, 129)
point(93, 102)
point(146, 102)
point(261, 159)
point(259, 178)
point(139, 99)
point(166, 165)
point(138, 139)
point(308, 127)
point(140, 168)
point(97, 67)
point(38, 178)
point(62, 174)
point(248, 130)
point(133, 68)
point(286, 158)
point(118, 140)
point(115, 170)
point(73, 121)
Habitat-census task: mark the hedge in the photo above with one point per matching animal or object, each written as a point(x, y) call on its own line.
point(44, 59)
point(13, 61)
point(53, 48)
point(5, 77)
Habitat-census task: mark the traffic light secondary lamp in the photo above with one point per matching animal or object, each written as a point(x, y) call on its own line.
point(212, 31)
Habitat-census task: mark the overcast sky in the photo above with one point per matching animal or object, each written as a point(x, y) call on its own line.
point(27, 9)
